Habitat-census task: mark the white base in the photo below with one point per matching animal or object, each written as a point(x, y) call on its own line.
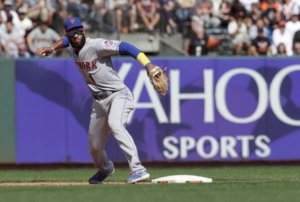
point(181, 179)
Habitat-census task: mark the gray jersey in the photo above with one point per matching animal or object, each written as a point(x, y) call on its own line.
point(95, 65)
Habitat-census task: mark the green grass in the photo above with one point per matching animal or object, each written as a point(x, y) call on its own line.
point(232, 184)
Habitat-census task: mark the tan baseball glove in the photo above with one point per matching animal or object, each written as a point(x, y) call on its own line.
point(159, 79)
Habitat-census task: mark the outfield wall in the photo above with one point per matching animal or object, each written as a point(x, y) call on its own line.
point(7, 112)
point(217, 109)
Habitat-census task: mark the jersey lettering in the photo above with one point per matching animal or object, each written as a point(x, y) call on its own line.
point(87, 65)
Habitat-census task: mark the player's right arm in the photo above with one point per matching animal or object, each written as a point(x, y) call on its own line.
point(57, 45)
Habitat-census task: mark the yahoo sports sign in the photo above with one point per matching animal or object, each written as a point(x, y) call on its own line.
point(220, 109)
point(216, 109)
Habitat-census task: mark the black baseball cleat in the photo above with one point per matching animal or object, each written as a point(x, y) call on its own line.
point(99, 177)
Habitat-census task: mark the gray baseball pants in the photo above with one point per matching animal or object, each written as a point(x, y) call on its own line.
point(110, 115)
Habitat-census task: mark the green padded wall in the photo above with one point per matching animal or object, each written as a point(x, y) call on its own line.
point(7, 112)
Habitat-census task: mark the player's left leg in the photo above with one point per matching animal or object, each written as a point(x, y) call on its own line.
point(122, 104)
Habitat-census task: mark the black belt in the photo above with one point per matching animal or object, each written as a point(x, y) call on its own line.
point(102, 95)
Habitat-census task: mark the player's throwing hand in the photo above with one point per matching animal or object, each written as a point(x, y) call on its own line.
point(45, 51)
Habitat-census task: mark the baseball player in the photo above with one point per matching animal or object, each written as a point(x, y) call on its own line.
point(113, 101)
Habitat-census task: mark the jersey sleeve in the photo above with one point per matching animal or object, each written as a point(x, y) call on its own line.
point(65, 41)
point(112, 47)
point(107, 47)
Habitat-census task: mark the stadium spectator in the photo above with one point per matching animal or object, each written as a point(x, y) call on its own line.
point(198, 16)
point(289, 8)
point(216, 6)
point(249, 23)
point(8, 11)
point(10, 39)
point(253, 29)
point(296, 36)
point(184, 11)
point(41, 36)
point(296, 48)
point(216, 16)
point(23, 51)
point(261, 45)
point(37, 10)
point(78, 8)
point(237, 9)
point(125, 15)
point(237, 30)
point(211, 20)
point(199, 43)
point(203, 13)
point(149, 14)
point(247, 4)
point(133, 16)
point(265, 5)
point(281, 50)
point(19, 4)
point(102, 17)
point(168, 21)
point(25, 23)
point(255, 12)
point(224, 13)
point(56, 12)
point(293, 25)
point(271, 13)
point(280, 35)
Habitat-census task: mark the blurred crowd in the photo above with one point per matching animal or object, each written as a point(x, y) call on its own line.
point(223, 27)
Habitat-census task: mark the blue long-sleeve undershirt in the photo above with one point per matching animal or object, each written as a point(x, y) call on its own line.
point(126, 48)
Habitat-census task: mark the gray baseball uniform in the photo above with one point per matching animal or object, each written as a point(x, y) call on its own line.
point(108, 113)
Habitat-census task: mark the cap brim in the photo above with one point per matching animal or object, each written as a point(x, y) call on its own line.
point(73, 27)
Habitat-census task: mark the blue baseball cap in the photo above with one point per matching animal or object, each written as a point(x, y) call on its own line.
point(72, 23)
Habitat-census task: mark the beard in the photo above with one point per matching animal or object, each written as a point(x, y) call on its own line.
point(77, 45)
